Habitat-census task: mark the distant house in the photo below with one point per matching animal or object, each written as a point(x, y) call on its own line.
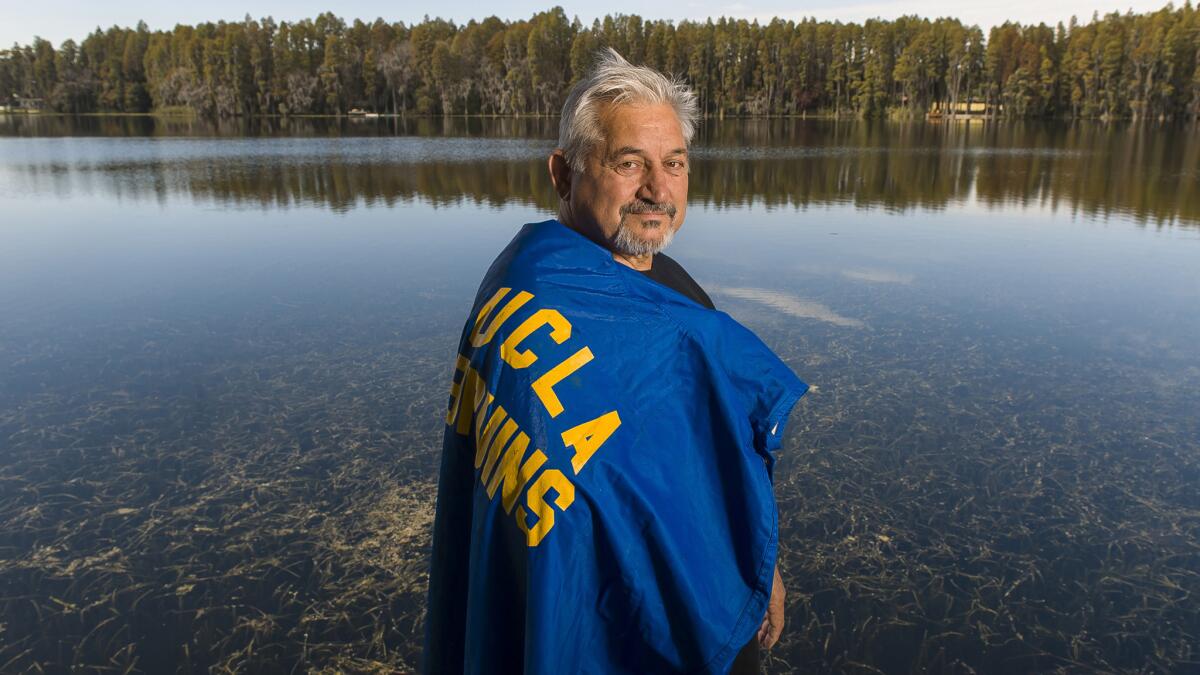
point(972, 108)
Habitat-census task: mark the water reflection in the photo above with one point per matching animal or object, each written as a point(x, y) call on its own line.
point(1096, 170)
point(788, 304)
point(221, 384)
point(131, 126)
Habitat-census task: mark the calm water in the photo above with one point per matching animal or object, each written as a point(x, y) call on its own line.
point(224, 352)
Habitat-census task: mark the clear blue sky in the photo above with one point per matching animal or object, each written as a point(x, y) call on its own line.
point(58, 20)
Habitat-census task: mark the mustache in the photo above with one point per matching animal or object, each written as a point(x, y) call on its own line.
point(641, 206)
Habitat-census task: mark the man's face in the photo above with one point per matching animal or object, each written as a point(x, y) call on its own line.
point(632, 192)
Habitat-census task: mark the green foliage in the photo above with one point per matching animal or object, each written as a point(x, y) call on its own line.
point(1119, 65)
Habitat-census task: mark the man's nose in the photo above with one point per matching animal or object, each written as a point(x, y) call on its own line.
point(654, 185)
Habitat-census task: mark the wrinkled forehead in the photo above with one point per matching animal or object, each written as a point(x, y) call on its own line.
point(652, 127)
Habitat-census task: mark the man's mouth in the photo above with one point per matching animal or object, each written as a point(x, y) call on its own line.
point(649, 208)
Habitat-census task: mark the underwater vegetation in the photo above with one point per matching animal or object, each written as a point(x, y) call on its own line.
point(221, 391)
point(261, 513)
point(169, 505)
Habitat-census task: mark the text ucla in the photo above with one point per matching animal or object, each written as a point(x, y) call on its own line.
point(503, 459)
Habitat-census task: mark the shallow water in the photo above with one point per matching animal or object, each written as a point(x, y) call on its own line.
point(224, 349)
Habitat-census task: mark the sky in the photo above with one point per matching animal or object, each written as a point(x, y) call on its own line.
point(58, 20)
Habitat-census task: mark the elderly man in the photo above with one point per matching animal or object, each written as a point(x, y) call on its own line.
point(604, 503)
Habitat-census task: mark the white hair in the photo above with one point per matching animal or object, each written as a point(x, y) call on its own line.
point(614, 80)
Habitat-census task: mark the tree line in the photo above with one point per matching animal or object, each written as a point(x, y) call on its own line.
point(1116, 66)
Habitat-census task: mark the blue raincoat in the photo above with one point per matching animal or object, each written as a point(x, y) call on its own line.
point(605, 502)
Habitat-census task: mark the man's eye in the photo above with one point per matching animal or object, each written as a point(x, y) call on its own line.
point(675, 164)
point(628, 164)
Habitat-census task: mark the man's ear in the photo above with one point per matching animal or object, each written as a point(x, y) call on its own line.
point(560, 175)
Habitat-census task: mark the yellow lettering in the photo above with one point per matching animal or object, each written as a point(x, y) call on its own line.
point(493, 425)
point(560, 331)
point(472, 394)
point(461, 365)
point(481, 336)
point(587, 438)
point(550, 479)
point(514, 474)
point(492, 450)
point(544, 385)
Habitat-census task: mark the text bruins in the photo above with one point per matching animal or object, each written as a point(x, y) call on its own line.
point(500, 445)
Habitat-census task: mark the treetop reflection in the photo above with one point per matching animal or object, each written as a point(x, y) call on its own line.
point(1144, 172)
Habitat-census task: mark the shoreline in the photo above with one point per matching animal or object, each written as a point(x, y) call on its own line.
point(178, 115)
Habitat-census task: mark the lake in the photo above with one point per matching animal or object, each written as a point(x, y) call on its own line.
point(225, 350)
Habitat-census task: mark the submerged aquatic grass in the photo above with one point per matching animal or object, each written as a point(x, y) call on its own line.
point(252, 521)
point(963, 512)
point(271, 512)
point(220, 427)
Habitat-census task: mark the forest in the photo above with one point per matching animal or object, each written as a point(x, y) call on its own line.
point(1116, 66)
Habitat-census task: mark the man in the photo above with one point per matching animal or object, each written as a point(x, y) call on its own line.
point(605, 503)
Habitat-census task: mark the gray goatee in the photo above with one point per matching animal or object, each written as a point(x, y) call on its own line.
point(628, 240)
